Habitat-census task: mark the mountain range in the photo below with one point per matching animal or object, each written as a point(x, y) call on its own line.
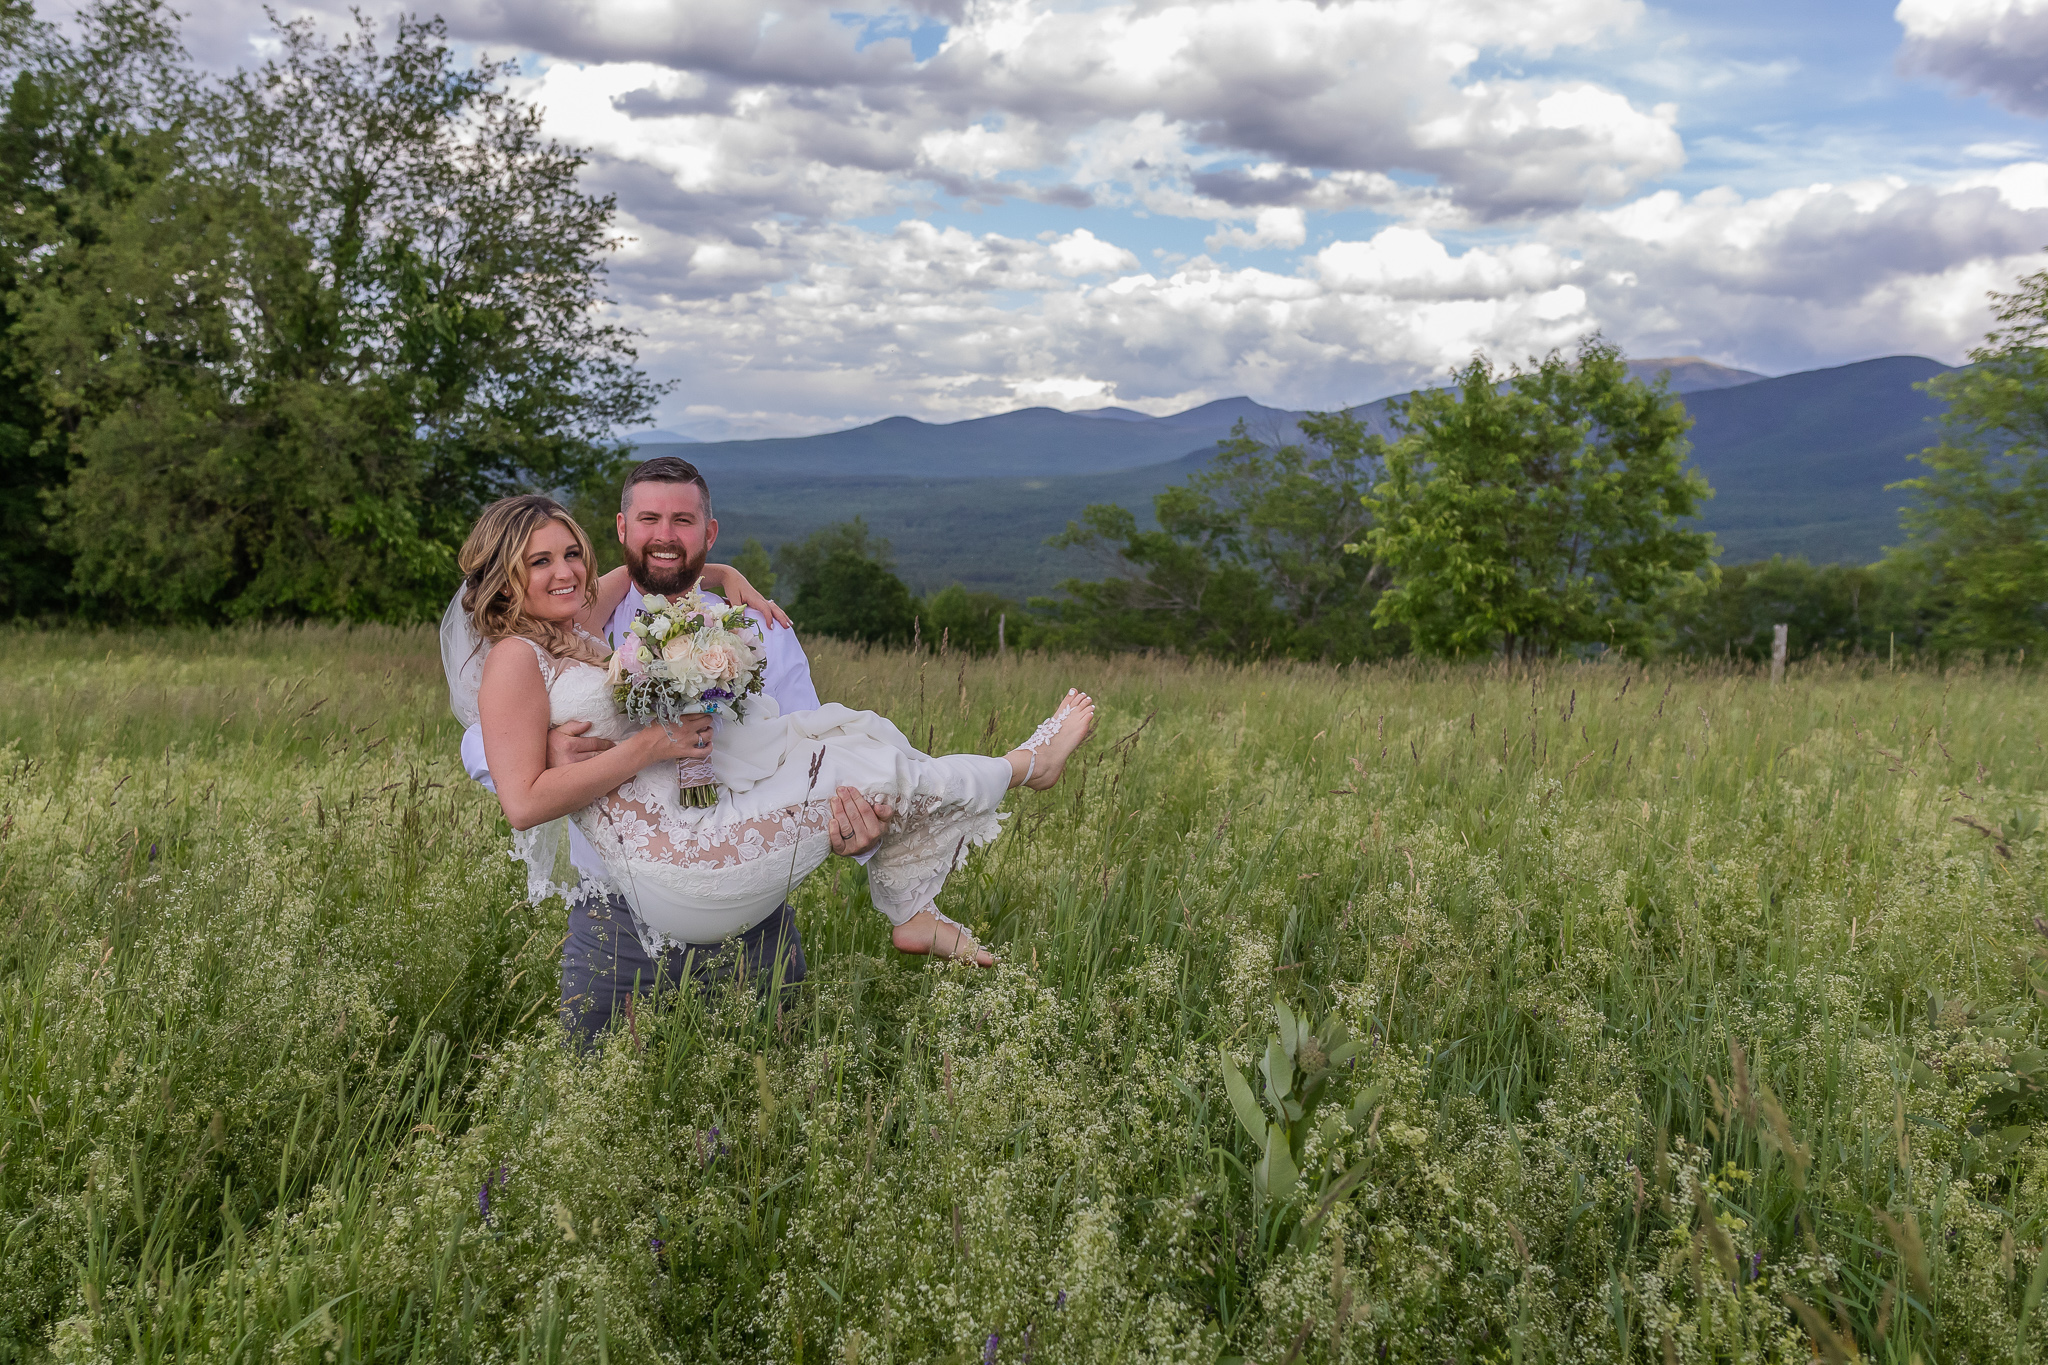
point(1799, 465)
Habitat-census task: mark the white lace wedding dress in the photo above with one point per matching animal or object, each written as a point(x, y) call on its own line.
point(697, 875)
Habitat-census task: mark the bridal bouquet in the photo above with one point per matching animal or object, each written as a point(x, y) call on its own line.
point(687, 657)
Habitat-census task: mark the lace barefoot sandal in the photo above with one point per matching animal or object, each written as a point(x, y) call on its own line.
point(1048, 730)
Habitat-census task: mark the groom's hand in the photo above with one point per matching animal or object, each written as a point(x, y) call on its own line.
point(857, 823)
point(567, 744)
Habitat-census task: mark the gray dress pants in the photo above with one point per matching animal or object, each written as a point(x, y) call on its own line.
point(604, 962)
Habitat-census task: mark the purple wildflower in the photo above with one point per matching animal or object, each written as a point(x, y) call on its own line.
point(988, 1350)
point(1756, 1265)
point(1060, 1303)
point(483, 1194)
point(655, 1244)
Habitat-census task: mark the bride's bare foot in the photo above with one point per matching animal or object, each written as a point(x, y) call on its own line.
point(1038, 762)
point(927, 934)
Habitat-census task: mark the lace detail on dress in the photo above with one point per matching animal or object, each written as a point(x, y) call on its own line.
point(930, 839)
point(633, 823)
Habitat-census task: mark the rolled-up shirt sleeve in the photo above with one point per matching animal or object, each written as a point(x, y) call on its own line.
point(473, 757)
point(788, 678)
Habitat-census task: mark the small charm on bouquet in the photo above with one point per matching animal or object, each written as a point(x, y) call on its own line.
point(688, 657)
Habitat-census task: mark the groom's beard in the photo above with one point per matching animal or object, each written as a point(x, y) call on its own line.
point(679, 576)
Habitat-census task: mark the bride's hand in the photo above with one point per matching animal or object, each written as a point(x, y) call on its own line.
point(689, 737)
point(733, 586)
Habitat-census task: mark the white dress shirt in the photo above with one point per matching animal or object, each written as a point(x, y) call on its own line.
point(788, 681)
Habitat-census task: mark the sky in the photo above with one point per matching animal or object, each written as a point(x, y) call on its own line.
point(958, 207)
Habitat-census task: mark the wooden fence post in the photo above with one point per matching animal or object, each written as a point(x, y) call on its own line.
point(1778, 634)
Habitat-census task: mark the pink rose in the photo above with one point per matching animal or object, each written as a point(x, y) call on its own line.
point(682, 652)
point(718, 661)
point(629, 655)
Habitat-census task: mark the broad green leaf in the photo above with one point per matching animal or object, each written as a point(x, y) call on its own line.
point(1279, 1071)
point(1242, 1102)
point(1290, 1027)
point(1344, 1052)
point(2035, 1286)
point(1333, 1194)
point(1281, 1172)
point(1362, 1105)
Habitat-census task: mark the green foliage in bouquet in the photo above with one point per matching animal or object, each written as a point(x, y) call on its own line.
point(1298, 1067)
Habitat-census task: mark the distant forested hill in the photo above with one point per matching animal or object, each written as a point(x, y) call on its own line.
point(1799, 465)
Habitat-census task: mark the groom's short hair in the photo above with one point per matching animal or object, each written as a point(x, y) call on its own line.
point(665, 469)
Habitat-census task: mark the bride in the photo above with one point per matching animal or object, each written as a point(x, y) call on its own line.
point(700, 875)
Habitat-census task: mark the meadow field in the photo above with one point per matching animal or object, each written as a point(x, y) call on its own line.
point(1698, 1020)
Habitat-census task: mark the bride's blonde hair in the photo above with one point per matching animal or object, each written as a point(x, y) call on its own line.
point(494, 574)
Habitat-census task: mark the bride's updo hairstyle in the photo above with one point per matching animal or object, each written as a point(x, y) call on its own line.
point(493, 563)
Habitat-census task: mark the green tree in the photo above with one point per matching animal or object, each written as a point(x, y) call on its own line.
point(753, 561)
point(845, 586)
point(1537, 511)
point(1248, 559)
point(799, 563)
point(1977, 537)
point(88, 122)
point(357, 304)
point(958, 618)
point(1832, 609)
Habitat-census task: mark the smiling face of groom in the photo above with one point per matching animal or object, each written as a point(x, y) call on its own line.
point(667, 532)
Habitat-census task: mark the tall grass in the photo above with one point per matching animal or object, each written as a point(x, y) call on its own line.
point(1704, 1023)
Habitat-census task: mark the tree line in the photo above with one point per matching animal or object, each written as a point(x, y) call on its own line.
point(270, 341)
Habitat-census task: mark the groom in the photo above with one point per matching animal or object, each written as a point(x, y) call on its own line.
point(667, 531)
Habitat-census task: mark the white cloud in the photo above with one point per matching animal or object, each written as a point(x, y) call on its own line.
point(1406, 263)
point(1282, 227)
point(1989, 47)
point(1081, 252)
point(1802, 276)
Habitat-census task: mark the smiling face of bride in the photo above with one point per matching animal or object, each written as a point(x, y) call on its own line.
point(526, 571)
point(556, 572)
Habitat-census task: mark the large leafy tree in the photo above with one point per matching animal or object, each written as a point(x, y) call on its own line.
point(846, 586)
point(1248, 559)
point(360, 300)
point(1977, 537)
point(88, 122)
point(1537, 511)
